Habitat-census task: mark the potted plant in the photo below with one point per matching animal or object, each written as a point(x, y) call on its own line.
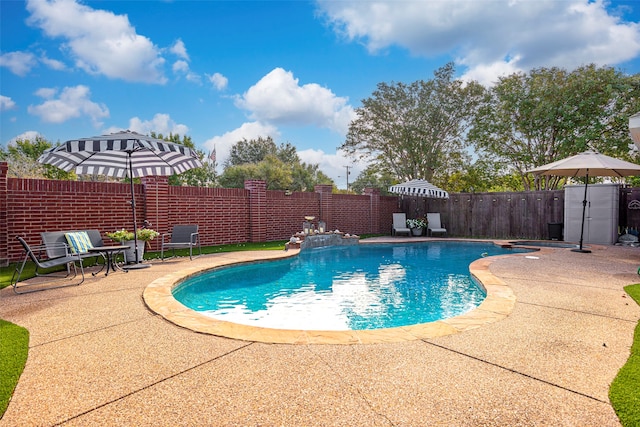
point(417, 225)
point(126, 238)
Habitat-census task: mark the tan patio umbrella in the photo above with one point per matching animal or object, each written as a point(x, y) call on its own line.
point(589, 163)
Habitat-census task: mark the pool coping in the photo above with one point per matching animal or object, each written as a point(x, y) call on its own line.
point(497, 305)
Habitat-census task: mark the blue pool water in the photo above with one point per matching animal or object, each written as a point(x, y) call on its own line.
point(366, 286)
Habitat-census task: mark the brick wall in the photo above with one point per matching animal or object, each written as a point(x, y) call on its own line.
point(224, 215)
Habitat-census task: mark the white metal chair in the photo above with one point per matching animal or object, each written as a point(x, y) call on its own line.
point(182, 237)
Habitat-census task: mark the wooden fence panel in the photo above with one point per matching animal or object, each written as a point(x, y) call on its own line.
point(523, 215)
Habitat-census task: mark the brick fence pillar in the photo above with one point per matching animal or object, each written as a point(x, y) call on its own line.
point(374, 209)
point(156, 205)
point(257, 209)
point(4, 226)
point(326, 204)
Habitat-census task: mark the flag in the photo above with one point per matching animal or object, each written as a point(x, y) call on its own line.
point(212, 155)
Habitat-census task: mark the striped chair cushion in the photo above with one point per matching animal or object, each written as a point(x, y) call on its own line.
point(79, 242)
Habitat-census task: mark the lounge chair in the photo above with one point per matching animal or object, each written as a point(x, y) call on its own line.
point(182, 236)
point(37, 254)
point(435, 226)
point(400, 224)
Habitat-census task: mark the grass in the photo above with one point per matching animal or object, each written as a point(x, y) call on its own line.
point(14, 346)
point(29, 271)
point(624, 393)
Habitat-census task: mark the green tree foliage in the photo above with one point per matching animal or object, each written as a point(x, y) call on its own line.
point(204, 176)
point(482, 176)
point(373, 177)
point(279, 166)
point(549, 114)
point(415, 130)
point(22, 159)
point(256, 150)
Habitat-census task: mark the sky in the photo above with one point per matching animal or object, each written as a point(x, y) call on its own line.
point(222, 71)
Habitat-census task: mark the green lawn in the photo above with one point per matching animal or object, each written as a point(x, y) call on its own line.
point(624, 393)
point(14, 346)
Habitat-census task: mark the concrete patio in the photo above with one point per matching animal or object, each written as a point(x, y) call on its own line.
point(98, 356)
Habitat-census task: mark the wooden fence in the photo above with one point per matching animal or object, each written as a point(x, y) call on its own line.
point(523, 215)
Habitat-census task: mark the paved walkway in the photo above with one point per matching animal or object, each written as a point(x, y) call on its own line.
point(98, 356)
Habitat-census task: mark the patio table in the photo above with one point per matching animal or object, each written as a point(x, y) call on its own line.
point(110, 253)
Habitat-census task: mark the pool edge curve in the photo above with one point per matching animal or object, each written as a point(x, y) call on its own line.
point(158, 297)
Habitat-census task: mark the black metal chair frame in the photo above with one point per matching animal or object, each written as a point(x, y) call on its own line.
point(182, 237)
point(37, 255)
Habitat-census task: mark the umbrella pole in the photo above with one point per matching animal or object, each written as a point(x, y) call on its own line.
point(584, 209)
point(137, 264)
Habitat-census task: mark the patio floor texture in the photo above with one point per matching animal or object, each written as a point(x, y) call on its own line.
point(99, 357)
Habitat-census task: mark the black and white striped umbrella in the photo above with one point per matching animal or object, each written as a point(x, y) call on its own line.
point(419, 187)
point(125, 154)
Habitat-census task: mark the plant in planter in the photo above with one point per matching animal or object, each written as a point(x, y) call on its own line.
point(417, 225)
point(126, 237)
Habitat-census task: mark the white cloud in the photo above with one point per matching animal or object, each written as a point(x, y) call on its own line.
point(250, 130)
point(6, 103)
point(19, 63)
point(99, 41)
point(54, 64)
point(218, 81)
point(160, 123)
point(30, 135)
point(46, 92)
point(182, 67)
point(334, 165)
point(278, 98)
point(179, 49)
point(500, 36)
point(488, 74)
point(73, 102)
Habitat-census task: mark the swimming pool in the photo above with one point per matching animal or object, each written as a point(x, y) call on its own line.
point(363, 287)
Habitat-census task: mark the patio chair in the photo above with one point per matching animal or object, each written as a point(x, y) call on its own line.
point(37, 254)
point(435, 226)
point(400, 224)
point(57, 244)
point(182, 236)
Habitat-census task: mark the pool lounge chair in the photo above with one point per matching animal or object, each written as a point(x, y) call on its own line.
point(37, 254)
point(182, 237)
point(400, 224)
point(435, 226)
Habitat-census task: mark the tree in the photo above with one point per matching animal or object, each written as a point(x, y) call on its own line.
point(373, 177)
point(204, 176)
point(22, 159)
point(279, 166)
point(550, 114)
point(256, 150)
point(415, 130)
point(483, 175)
point(306, 176)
